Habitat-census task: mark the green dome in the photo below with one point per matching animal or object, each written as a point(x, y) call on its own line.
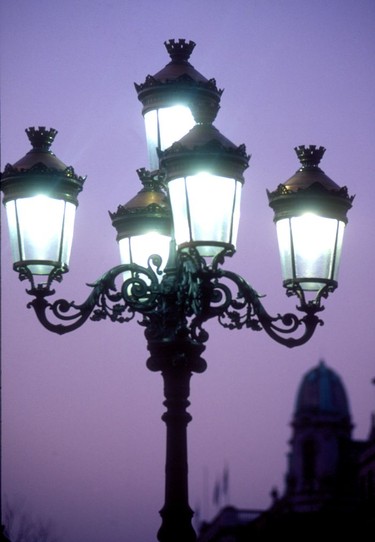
point(322, 392)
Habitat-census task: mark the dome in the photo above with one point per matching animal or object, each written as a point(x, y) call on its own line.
point(322, 392)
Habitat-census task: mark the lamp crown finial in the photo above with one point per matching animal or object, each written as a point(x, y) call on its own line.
point(179, 50)
point(151, 180)
point(309, 156)
point(41, 138)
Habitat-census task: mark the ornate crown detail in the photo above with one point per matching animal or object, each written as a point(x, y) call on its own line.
point(41, 138)
point(180, 50)
point(309, 156)
point(151, 180)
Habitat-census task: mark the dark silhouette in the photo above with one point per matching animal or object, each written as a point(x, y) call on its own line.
point(330, 478)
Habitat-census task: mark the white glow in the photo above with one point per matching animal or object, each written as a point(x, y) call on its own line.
point(315, 239)
point(37, 226)
point(139, 248)
point(165, 126)
point(206, 209)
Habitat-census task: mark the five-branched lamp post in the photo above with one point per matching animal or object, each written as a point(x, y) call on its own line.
point(173, 246)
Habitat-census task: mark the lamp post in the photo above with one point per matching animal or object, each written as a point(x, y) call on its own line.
point(173, 247)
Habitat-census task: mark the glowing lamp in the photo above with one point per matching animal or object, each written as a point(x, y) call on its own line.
point(204, 175)
point(143, 224)
point(40, 197)
point(171, 97)
point(310, 216)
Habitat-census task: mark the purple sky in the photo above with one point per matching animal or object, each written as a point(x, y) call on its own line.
point(83, 443)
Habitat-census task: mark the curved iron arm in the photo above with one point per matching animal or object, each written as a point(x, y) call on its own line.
point(236, 304)
point(137, 293)
point(190, 293)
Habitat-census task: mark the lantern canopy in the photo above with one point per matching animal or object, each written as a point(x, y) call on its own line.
point(40, 197)
point(310, 216)
point(204, 175)
point(144, 224)
point(171, 97)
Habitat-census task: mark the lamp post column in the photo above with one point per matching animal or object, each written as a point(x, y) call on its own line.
point(177, 360)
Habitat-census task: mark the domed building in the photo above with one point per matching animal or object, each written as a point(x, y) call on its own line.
point(330, 478)
point(322, 462)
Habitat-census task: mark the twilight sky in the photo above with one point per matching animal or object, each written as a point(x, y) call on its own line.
point(83, 443)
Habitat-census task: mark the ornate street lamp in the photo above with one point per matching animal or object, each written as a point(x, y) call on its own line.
point(310, 216)
point(203, 167)
point(172, 97)
point(40, 197)
point(172, 275)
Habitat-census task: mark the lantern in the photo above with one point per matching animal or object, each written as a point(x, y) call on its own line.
point(204, 175)
point(171, 97)
point(310, 216)
point(143, 224)
point(40, 197)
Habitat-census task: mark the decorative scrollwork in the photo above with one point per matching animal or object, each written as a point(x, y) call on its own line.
point(176, 308)
point(236, 305)
point(138, 292)
point(295, 289)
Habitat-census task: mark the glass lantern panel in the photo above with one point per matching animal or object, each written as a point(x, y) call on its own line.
point(236, 214)
point(10, 207)
point(206, 211)
point(66, 248)
point(317, 243)
point(164, 127)
point(41, 229)
point(152, 138)
point(178, 200)
point(138, 248)
point(284, 237)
